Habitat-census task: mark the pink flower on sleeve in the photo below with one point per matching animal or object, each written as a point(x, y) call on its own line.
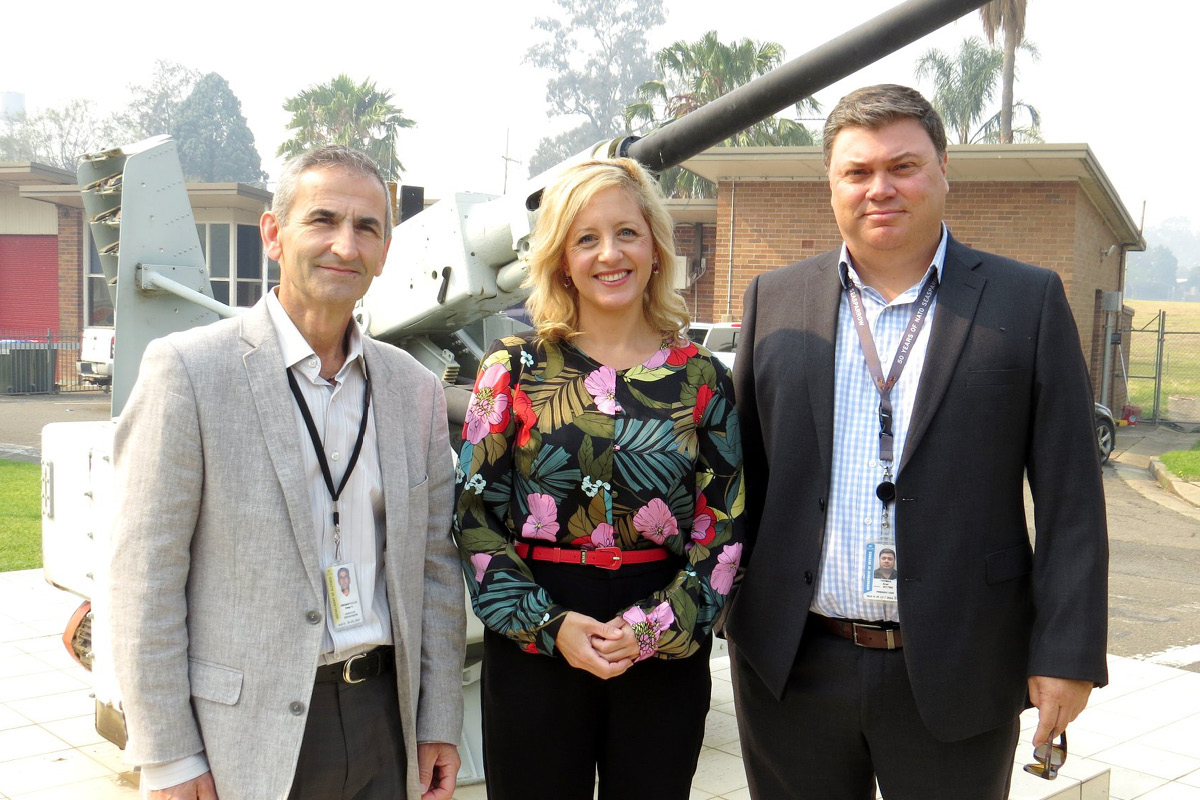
point(602, 386)
point(480, 562)
point(542, 522)
point(725, 570)
point(649, 628)
point(489, 408)
point(655, 521)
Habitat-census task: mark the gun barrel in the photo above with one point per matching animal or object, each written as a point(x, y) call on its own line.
point(799, 78)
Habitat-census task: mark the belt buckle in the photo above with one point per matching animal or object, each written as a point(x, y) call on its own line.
point(889, 633)
point(608, 557)
point(346, 668)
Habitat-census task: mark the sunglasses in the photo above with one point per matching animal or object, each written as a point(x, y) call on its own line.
point(1049, 758)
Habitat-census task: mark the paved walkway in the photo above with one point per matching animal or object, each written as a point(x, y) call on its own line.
point(1140, 738)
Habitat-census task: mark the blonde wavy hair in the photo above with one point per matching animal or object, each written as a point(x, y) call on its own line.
point(554, 308)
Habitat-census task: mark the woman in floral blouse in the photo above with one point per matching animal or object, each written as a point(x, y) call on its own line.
point(599, 512)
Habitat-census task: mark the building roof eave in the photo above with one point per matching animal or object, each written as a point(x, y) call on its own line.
point(989, 162)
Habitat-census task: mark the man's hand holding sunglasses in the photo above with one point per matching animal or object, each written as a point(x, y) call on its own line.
point(1058, 701)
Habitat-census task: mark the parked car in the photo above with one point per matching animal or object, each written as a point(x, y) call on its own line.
point(97, 346)
point(721, 338)
point(1106, 432)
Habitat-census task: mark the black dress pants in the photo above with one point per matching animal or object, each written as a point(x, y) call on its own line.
point(549, 729)
point(353, 747)
point(847, 718)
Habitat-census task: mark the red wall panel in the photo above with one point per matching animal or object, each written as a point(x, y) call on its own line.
point(29, 283)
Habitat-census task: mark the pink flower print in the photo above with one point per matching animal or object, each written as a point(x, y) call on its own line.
point(726, 568)
point(602, 385)
point(542, 522)
point(602, 536)
point(480, 561)
point(648, 628)
point(655, 521)
point(488, 410)
point(658, 359)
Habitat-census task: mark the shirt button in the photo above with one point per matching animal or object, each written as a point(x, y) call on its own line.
point(312, 362)
point(296, 707)
point(871, 463)
point(313, 617)
point(866, 520)
point(335, 455)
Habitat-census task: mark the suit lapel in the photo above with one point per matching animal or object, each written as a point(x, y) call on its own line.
point(276, 415)
point(958, 297)
point(822, 298)
point(386, 391)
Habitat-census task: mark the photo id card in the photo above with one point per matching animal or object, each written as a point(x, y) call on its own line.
point(880, 573)
point(344, 607)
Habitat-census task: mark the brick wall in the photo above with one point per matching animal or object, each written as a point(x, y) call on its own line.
point(70, 268)
point(1047, 223)
point(699, 295)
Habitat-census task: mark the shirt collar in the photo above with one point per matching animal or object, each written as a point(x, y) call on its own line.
point(846, 271)
point(296, 350)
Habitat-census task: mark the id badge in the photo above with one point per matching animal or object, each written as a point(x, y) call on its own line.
point(880, 573)
point(342, 587)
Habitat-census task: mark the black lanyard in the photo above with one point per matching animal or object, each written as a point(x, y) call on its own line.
point(319, 448)
point(886, 491)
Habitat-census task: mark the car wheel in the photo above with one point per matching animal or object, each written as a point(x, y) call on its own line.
point(1106, 438)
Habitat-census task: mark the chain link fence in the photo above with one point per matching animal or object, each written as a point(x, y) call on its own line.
point(40, 362)
point(1161, 366)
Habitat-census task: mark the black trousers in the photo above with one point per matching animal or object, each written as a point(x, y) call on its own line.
point(353, 747)
point(847, 718)
point(549, 729)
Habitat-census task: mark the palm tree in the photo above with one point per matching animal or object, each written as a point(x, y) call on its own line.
point(964, 86)
point(696, 73)
point(1007, 16)
point(353, 114)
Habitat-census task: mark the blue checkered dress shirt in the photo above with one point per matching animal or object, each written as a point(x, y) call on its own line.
point(855, 513)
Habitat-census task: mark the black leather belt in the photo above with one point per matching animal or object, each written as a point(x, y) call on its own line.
point(876, 635)
point(359, 668)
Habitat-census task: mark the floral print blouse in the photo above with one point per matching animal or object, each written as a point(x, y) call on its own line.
point(561, 451)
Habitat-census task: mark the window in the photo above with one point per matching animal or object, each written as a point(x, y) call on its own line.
point(235, 262)
point(98, 304)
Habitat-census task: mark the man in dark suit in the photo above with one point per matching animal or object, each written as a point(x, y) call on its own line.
point(893, 395)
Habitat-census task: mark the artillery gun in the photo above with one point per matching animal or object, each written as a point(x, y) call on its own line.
point(453, 267)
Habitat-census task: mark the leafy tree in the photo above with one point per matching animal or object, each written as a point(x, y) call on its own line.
point(694, 74)
point(964, 86)
point(214, 142)
point(154, 108)
point(353, 114)
point(1007, 16)
point(57, 136)
point(597, 55)
point(1177, 234)
point(1151, 275)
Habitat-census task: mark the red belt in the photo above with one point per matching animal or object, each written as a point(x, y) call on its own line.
point(602, 557)
point(879, 636)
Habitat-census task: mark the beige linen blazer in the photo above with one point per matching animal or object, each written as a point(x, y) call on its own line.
point(217, 603)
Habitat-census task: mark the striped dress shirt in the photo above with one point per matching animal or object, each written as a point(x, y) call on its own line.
point(855, 513)
point(336, 408)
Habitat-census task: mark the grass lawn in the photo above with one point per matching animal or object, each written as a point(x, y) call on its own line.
point(1180, 400)
point(1184, 463)
point(20, 515)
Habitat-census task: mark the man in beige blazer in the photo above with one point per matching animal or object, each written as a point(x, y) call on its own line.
point(244, 671)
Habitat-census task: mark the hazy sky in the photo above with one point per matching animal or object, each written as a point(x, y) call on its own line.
point(1108, 74)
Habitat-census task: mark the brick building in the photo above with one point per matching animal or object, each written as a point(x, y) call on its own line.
point(1045, 204)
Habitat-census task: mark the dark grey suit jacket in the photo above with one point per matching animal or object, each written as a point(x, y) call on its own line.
point(1004, 390)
